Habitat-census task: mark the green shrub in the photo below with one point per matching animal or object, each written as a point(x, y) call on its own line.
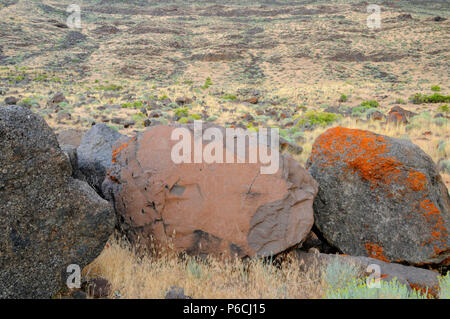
point(138, 117)
point(434, 98)
point(343, 98)
point(109, 87)
point(208, 83)
point(29, 102)
point(230, 97)
point(358, 289)
point(339, 273)
point(320, 118)
point(183, 120)
point(444, 108)
point(436, 88)
point(195, 117)
point(182, 111)
point(400, 101)
point(136, 104)
point(370, 104)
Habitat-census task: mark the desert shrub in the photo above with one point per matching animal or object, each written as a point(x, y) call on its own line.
point(444, 287)
point(445, 167)
point(28, 102)
point(182, 111)
point(109, 87)
point(136, 104)
point(440, 121)
point(194, 269)
point(138, 117)
point(434, 98)
point(400, 101)
point(444, 108)
point(115, 127)
point(230, 97)
point(343, 98)
point(207, 84)
point(436, 88)
point(364, 107)
point(358, 289)
point(195, 117)
point(339, 273)
point(370, 104)
point(183, 120)
point(319, 118)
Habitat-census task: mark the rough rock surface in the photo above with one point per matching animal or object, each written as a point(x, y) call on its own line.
point(48, 220)
point(413, 277)
point(70, 137)
point(218, 208)
point(95, 153)
point(379, 197)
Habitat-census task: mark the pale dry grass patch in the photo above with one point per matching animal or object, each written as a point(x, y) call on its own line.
point(133, 276)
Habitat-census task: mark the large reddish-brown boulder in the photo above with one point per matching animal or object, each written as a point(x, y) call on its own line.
point(379, 197)
point(219, 208)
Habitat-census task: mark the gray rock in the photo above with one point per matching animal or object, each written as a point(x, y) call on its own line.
point(412, 277)
point(70, 137)
point(379, 197)
point(57, 98)
point(48, 219)
point(95, 153)
point(176, 293)
point(11, 100)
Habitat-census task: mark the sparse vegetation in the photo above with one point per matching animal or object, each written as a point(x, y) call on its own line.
point(318, 118)
point(436, 88)
point(208, 83)
point(434, 98)
point(109, 87)
point(343, 98)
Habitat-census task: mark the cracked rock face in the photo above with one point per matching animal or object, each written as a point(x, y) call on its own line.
point(379, 197)
point(48, 220)
point(199, 208)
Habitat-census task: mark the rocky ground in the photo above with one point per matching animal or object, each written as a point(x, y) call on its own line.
point(303, 67)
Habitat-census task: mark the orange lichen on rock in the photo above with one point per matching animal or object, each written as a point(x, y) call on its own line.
point(364, 152)
point(375, 251)
point(439, 234)
point(416, 180)
point(116, 151)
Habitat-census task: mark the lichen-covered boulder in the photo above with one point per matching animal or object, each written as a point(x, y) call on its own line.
point(48, 220)
point(379, 197)
point(217, 208)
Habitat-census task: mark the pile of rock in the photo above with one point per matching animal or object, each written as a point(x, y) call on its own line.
point(48, 219)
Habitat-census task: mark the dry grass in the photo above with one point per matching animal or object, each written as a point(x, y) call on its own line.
point(132, 276)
